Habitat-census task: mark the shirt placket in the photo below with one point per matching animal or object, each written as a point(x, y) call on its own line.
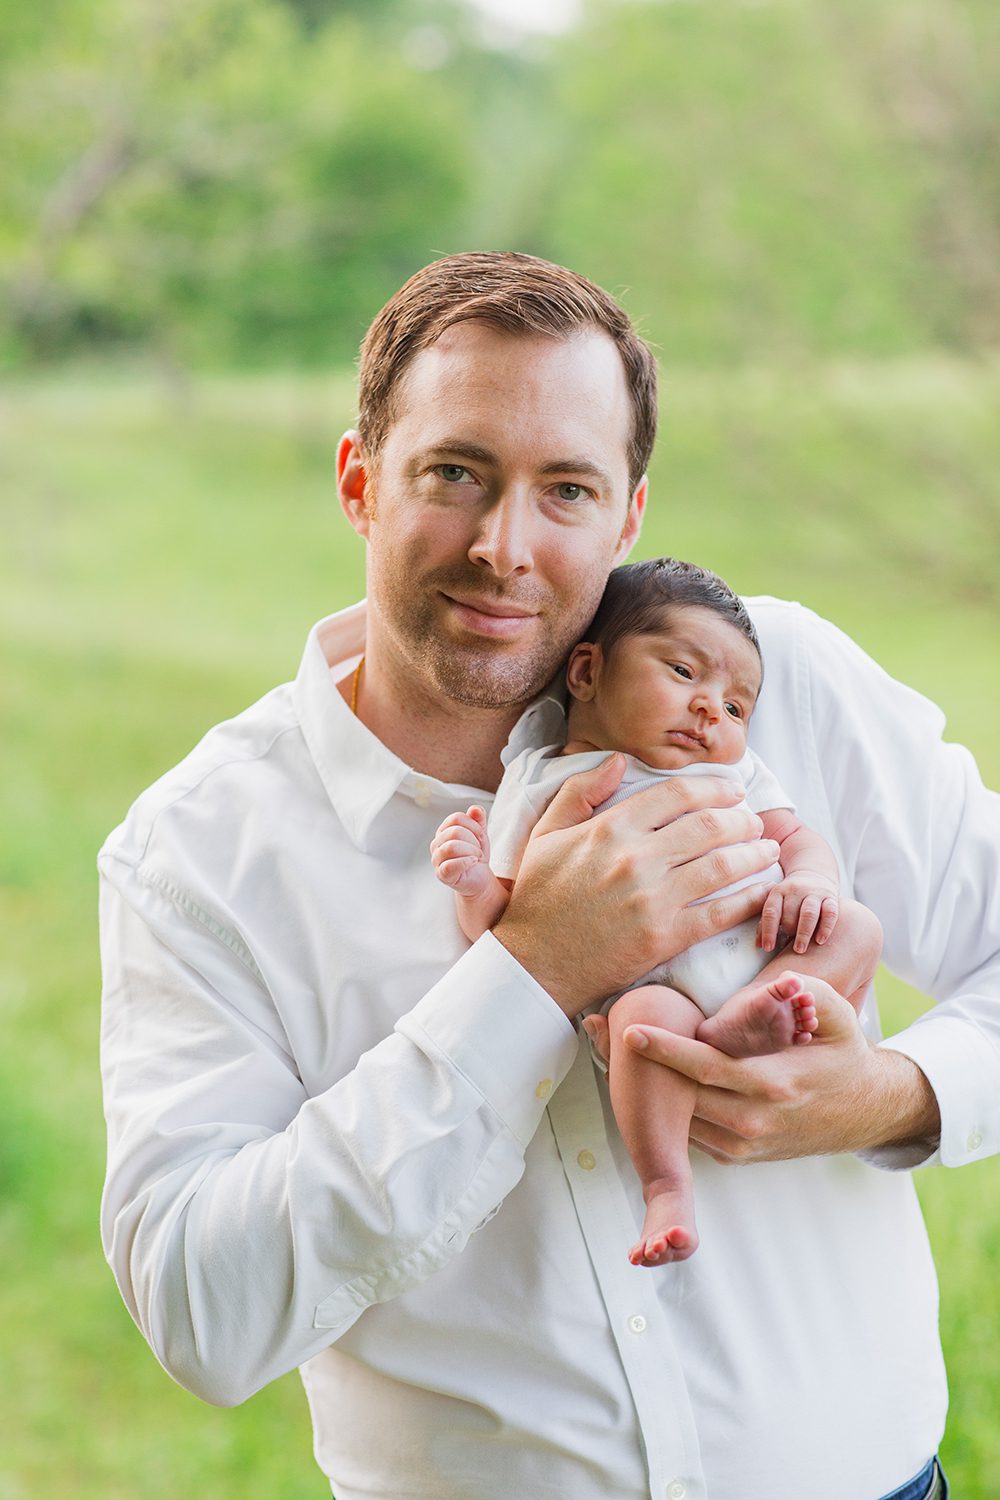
point(638, 1321)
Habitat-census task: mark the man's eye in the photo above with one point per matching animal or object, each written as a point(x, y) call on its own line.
point(452, 473)
point(570, 491)
point(681, 670)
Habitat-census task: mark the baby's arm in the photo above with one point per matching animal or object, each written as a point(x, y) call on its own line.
point(805, 904)
point(460, 854)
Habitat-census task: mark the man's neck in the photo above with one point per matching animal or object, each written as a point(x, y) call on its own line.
point(440, 738)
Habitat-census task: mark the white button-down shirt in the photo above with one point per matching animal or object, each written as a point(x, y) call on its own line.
point(319, 1097)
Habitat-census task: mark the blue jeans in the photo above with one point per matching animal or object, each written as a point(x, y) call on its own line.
point(929, 1484)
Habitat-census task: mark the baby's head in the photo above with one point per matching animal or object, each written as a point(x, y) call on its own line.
point(670, 668)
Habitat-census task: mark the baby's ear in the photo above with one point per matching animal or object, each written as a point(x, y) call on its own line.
point(583, 670)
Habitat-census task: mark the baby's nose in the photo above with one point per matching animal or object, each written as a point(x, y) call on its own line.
point(707, 703)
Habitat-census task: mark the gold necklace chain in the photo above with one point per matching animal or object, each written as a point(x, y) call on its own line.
point(355, 685)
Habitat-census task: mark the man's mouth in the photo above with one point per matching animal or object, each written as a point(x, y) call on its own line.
point(500, 618)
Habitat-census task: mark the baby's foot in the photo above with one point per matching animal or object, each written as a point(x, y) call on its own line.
point(668, 1232)
point(762, 1020)
point(460, 853)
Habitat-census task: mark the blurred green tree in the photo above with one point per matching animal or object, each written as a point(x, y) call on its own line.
point(216, 180)
point(785, 179)
point(246, 179)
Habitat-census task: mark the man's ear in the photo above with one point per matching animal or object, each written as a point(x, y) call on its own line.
point(353, 485)
point(633, 522)
point(583, 670)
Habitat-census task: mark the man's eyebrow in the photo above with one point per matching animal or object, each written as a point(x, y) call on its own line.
point(458, 448)
point(582, 466)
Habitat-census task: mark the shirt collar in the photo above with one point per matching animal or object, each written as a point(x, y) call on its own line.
point(359, 773)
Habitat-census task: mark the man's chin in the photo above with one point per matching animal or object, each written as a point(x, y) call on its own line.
point(489, 679)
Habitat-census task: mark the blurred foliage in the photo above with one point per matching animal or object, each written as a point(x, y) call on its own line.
point(248, 179)
point(217, 179)
point(789, 178)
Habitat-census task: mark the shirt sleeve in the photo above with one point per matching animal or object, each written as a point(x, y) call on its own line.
point(519, 803)
point(764, 790)
point(922, 836)
point(249, 1225)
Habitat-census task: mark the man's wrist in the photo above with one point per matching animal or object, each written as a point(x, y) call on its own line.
point(907, 1112)
point(517, 939)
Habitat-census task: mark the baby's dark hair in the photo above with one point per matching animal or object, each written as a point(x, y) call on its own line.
point(640, 597)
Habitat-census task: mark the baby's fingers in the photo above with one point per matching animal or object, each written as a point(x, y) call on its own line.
point(805, 927)
point(770, 921)
point(462, 825)
point(451, 866)
point(455, 843)
point(827, 920)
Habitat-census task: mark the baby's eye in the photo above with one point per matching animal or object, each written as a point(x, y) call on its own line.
point(734, 710)
point(452, 473)
point(681, 670)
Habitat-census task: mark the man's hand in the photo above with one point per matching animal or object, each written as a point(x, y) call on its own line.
point(598, 902)
point(839, 1094)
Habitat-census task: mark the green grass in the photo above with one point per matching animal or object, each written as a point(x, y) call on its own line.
point(164, 552)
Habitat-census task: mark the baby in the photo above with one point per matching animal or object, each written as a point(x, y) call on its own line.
point(669, 674)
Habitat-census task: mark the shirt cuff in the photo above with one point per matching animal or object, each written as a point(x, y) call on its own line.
point(960, 1066)
point(496, 1025)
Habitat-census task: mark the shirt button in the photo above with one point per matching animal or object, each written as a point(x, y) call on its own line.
point(637, 1323)
point(543, 1089)
point(421, 794)
point(975, 1141)
point(676, 1489)
point(587, 1160)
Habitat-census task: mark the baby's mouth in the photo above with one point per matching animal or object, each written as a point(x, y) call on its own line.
point(686, 737)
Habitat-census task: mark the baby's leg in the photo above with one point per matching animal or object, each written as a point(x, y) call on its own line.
point(777, 1009)
point(653, 1106)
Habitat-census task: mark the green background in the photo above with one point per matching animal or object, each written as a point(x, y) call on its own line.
point(201, 206)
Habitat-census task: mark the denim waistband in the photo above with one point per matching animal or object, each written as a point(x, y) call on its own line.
point(929, 1484)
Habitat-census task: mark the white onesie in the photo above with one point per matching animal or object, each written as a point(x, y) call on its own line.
point(710, 971)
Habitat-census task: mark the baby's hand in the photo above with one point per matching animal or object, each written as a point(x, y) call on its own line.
point(460, 853)
point(803, 906)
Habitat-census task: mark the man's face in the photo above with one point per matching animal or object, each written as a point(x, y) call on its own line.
point(499, 504)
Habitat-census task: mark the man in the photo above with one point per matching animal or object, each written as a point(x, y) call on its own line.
point(319, 1098)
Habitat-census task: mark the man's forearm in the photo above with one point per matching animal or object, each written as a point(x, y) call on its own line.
point(905, 1109)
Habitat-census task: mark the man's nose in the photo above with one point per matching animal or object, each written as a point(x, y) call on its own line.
point(503, 537)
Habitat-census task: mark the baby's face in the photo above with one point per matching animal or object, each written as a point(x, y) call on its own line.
point(681, 695)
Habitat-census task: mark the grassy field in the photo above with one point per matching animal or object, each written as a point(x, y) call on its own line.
point(164, 551)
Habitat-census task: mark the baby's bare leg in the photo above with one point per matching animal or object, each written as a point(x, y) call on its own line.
point(653, 1106)
point(777, 1009)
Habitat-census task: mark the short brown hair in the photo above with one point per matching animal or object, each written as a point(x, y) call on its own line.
point(518, 293)
point(639, 599)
